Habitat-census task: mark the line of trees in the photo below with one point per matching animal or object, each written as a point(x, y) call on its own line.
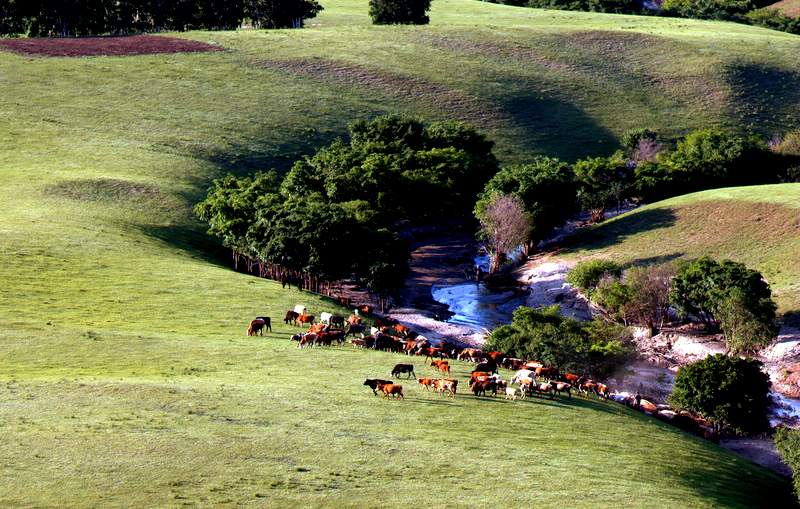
point(754, 12)
point(65, 18)
point(340, 213)
point(643, 170)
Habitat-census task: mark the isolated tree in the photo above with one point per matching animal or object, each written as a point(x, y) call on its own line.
point(546, 188)
point(404, 12)
point(729, 390)
point(745, 332)
point(504, 226)
point(280, 13)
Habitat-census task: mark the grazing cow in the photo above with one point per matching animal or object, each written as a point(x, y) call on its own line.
point(523, 374)
point(544, 388)
point(431, 352)
point(470, 354)
point(291, 316)
point(402, 330)
point(440, 365)
point(267, 322)
point(392, 389)
point(403, 368)
point(307, 340)
point(548, 373)
point(256, 327)
point(511, 393)
point(296, 337)
point(445, 386)
point(354, 319)
point(303, 319)
point(512, 363)
point(336, 321)
point(489, 366)
point(602, 390)
point(587, 386)
point(385, 342)
point(496, 357)
point(355, 328)
point(570, 378)
point(359, 342)
point(426, 383)
point(476, 376)
point(375, 383)
point(559, 387)
point(481, 386)
point(325, 318)
point(317, 327)
point(532, 365)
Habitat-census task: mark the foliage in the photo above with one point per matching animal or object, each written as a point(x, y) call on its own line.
point(632, 137)
point(96, 17)
point(594, 348)
point(774, 19)
point(702, 285)
point(789, 144)
point(613, 296)
point(546, 188)
point(610, 6)
point(587, 275)
point(602, 182)
point(653, 182)
point(745, 331)
point(405, 12)
point(713, 157)
point(787, 441)
point(352, 194)
point(707, 9)
point(729, 390)
point(648, 294)
point(504, 226)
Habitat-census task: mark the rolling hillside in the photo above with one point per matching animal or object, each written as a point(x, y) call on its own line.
point(758, 226)
point(788, 7)
point(125, 376)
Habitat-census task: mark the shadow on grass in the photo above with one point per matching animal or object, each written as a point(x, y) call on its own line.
point(617, 230)
point(558, 128)
point(762, 93)
point(653, 260)
point(737, 487)
point(791, 318)
point(191, 242)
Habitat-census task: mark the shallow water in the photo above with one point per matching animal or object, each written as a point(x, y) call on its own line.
point(476, 306)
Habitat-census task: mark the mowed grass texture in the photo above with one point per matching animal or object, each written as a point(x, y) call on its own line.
point(758, 226)
point(125, 375)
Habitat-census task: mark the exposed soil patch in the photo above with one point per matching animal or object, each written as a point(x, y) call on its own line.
point(104, 46)
point(403, 87)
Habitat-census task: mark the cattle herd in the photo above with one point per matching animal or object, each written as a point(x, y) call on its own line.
point(531, 378)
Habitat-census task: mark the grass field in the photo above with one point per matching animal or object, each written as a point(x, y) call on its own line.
point(125, 376)
point(758, 226)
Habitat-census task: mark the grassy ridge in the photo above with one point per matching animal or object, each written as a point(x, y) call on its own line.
point(758, 226)
point(124, 373)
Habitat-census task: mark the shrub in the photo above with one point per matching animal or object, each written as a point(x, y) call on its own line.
point(787, 441)
point(714, 157)
point(775, 20)
point(707, 9)
point(701, 288)
point(613, 296)
point(586, 275)
point(403, 12)
point(632, 137)
point(788, 145)
point(729, 390)
point(610, 6)
point(745, 332)
point(648, 294)
point(595, 348)
point(653, 182)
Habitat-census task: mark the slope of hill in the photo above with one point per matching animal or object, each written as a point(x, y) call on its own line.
point(124, 374)
point(788, 7)
point(758, 226)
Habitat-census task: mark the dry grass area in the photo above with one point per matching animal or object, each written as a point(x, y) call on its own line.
point(104, 46)
point(788, 7)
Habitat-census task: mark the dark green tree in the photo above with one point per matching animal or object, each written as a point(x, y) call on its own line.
point(729, 390)
point(603, 182)
point(404, 12)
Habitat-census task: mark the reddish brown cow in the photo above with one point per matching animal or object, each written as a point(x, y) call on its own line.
point(291, 316)
point(479, 376)
point(256, 327)
point(546, 372)
point(571, 378)
point(426, 383)
point(392, 389)
point(440, 365)
point(496, 357)
point(303, 319)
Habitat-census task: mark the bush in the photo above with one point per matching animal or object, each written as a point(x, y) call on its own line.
point(603, 182)
point(711, 158)
point(648, 295)
point(403, 12)
point(707, 9)
point(595, 348)
point(586, 275)
point(787, 441)
point(610, 6)
point(729, 295)
point(788, 145)
point(775, 20)
point(731, 391)
point(632, 137)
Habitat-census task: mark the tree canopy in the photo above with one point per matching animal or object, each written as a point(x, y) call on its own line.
point(406, 12)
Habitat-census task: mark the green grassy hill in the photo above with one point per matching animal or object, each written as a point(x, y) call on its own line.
point(758, 226)
point(125, 376)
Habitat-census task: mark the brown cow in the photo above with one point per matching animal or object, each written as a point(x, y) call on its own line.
point(496, 357)
point(291, 316)
point(603, 391)
point(256, 327)
point(559, 387)
point(548, 373)
point(426, 383)
point(478, 376)
point(440, 365)
point(375, 384)
point(571, 378)
point(481, 386)
point(445, 385)
point(392, 389)
point(307, 340)
point(318, 327)
point(354, 320)
point(303, 319)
